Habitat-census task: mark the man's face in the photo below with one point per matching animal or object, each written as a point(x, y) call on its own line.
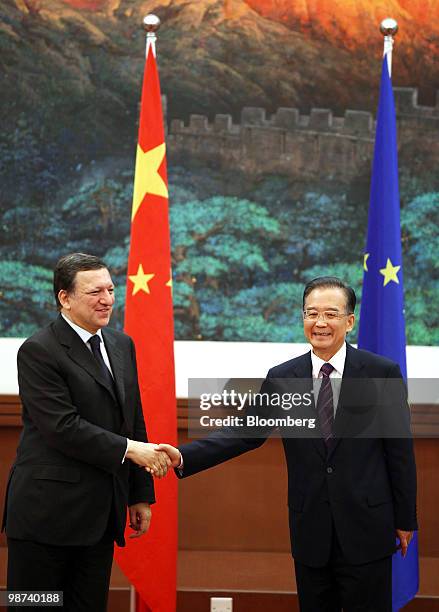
point(327, 336)
point(90, 303)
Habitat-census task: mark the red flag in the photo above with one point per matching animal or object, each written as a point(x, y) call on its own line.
point(149, 562)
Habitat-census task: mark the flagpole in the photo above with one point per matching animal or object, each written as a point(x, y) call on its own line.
point(388, 27)
point(150, 563)
point(382, 324)
point(151, 23)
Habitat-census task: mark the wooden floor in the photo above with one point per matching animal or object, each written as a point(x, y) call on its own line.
point(263, 572)
point(257, 582)
point(224, 549)
point(262, 582)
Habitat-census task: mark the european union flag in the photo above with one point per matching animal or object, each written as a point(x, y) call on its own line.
point(382, 326)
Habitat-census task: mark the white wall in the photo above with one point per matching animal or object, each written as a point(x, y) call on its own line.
point(235, 360)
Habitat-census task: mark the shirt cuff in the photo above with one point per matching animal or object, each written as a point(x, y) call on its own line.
point(180, 468)
point(125, 453)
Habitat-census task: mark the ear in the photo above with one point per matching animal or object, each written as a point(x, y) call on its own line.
point(350, 322)
point(63, 297)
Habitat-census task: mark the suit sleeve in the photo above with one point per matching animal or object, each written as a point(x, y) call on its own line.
point(400, 458)
point(141, 483)
point(47, 402)
point(226, 443)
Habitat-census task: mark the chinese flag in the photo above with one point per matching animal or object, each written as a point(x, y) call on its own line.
point(149, 562)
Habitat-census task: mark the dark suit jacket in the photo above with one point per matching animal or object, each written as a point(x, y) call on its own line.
point(364, 487)
point(68, 474)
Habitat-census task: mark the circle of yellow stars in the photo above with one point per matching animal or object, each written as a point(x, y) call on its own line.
point(390, 272)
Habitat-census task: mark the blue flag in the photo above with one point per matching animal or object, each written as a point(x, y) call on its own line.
point(382, 326)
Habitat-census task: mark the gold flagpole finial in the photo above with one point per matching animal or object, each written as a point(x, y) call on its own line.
point(388, 28)
point(151, 23)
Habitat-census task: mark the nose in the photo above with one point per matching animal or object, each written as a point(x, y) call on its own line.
point(107, 297)
point(321, 320)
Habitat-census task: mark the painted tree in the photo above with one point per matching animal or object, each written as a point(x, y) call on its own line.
point(270, 313)
point(419, 223)
point(217, 250)
point(26, 298)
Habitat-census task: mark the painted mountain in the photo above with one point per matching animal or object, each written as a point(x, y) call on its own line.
point(218, 55)
point(70, 76)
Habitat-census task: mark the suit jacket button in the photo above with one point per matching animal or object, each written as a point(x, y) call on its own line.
point(329, 470)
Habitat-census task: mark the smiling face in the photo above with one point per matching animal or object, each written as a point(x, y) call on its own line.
point(327, 337)
point(90, 303)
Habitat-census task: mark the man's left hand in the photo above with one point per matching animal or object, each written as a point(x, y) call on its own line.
point(140, 518)
point(404, 540)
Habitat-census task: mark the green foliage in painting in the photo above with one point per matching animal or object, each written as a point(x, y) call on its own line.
point(419, 225)
point(26, 298)
point(218, 245)
point(239, 261)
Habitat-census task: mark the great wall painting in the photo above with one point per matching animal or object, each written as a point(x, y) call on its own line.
point(270, 121)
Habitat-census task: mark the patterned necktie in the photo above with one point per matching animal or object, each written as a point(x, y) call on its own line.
point(95, 342)
point(325, 405)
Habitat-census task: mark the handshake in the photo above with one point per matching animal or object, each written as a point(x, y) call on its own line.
point(155, 458)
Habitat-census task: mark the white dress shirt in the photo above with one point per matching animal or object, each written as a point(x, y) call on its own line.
point(85, 337)
point(338, 362)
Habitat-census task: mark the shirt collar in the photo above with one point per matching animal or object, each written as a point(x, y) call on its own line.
point(337, 361)
point(82, 333)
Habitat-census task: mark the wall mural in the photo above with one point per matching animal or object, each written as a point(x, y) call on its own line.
point(270, 108)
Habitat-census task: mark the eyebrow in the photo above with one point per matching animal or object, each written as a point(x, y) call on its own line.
point(328, 308)
point(99, 288)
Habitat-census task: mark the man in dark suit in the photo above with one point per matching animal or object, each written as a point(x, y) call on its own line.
point(83, 443)
point(350, 494)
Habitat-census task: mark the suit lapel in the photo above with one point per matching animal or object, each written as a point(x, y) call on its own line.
point(303, 369)
point(353, 369)
point(79, 353)
point(117, 366)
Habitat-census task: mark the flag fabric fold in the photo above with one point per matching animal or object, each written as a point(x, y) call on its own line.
point(382, 325)
point(149, 562)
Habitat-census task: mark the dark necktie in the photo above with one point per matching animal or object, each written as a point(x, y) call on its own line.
point(95, 342)
point(325, 405)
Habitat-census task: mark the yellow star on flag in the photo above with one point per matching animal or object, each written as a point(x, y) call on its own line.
point(169, 283)
point(141, 280)
point(366, 257)
point(147, 178)
point(390, 273)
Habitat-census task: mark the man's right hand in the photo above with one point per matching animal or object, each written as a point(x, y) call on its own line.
point(404, 540)
point(149, 456)
point(173, 454)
